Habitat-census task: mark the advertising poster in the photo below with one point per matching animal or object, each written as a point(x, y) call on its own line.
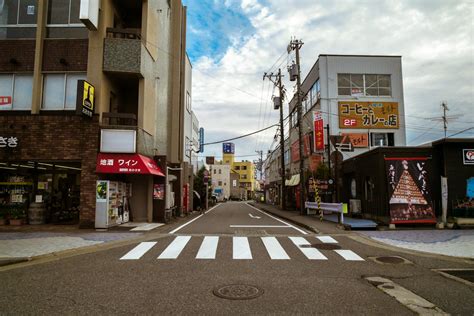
point(101, 192)
point(158, 191)
point(408, 191)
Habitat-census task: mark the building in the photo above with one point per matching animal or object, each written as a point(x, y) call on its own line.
point(358, 100)
point(221, 182)
point(133, 61)
point(246, 171)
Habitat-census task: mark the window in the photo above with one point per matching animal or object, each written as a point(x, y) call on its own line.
point(382, 139)
point(214, 171)
point(237, 167)
point(16, 92)
point(220, 182)
point(368, 85)
point(60, 91)
point(244, 176)
point(315, 93)
point(63, 20)
point(188, 102)
point(18, 18)
point(244, 167)
point(220, 171)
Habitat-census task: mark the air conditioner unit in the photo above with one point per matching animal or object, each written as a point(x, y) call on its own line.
point(293, 70)
point(355, 206)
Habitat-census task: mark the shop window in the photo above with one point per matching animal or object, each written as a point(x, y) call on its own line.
point(60, 91)
point(18, 18)
point(16, 92)
point(63, 20)
point(382, 139)
point(368, 85)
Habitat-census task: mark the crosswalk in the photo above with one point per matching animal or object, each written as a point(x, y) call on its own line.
point(241, 249)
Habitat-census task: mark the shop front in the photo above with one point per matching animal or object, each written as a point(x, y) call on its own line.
point(127, 186)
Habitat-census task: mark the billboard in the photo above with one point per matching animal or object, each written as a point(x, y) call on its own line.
point(408, 191)
point(228, 148)
point(354, 114)
point(318, 126)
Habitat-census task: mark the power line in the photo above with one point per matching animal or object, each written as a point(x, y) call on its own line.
point(239, 137)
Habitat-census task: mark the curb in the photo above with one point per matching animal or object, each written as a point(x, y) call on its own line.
point(305, 226)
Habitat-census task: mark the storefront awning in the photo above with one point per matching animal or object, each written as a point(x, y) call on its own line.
point(127, 164)
point(295, 180)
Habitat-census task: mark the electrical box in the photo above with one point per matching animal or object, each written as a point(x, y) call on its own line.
point(276, 103)
point(293, 70)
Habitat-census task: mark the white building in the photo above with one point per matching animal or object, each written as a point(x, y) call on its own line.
point(220, 175)
point(195, 142)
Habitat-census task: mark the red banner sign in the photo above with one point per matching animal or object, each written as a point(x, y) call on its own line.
point(127, 164)
point(5, 100)
point(318, 131)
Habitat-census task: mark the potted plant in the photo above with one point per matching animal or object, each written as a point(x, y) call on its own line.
point(16, 215)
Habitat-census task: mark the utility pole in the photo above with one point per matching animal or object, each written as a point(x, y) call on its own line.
point(444, 105)
point(279, 103)
point(296, 45)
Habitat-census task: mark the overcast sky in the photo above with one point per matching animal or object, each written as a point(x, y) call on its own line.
point(231, 44)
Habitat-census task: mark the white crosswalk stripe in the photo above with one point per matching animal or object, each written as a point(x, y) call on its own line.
point(274, 249)
point(241, 249)
point(137, 252)
point(208, 248)
point(310, 253)
point(175, 248)
point(327, 239)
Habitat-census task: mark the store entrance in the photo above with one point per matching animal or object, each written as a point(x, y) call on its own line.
point(40, 192)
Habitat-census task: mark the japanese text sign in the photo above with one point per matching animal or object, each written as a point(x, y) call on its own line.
point(10, 142)
point(368, 115)
point(85, 98)
point(5, 102)
point(127, 164)
point(358, 140)
point(318, 126)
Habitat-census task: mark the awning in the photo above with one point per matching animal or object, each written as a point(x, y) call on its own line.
point(127, 164)
point(295, 180)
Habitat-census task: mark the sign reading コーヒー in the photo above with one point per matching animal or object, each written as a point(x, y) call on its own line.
point(368, 114)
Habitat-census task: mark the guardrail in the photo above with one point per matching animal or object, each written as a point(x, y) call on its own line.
point(329, 207)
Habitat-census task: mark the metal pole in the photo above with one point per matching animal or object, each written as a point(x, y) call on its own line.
point(282, 145)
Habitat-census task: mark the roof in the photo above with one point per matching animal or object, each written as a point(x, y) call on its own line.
point(453, 140)
point(337, 55)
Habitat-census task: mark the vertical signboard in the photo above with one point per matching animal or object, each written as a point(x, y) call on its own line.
point(85, 102)
point(201, 140)
point(318, 126)
point(228, 148)
point(409, 196)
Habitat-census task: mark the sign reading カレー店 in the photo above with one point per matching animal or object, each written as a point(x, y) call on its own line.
point(368, 114)
point(85, 103)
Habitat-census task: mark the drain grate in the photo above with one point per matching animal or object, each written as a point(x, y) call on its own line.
point(238, 291)
point(322, 246)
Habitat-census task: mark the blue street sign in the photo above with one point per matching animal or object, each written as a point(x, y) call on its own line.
point(201, 140)
point(228, 148)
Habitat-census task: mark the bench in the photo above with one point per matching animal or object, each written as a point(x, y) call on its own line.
point(312, 207)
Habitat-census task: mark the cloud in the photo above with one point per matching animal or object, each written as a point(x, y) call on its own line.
point(434, 38)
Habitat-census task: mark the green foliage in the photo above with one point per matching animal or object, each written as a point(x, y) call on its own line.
point(199, 185)
point(16, 212)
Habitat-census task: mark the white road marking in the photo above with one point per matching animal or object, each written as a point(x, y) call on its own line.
point(327, 239)
point(349, 255)
point(272, 226)
point(252, 216)
point(277, 219)
point(208, 248)
point(241, 248)
point(310, 253)
point(185, 224)
point(137, 252)
point(175, 248)
point(274, 249)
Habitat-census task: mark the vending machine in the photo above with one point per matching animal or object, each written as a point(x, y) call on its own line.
point(111, 203)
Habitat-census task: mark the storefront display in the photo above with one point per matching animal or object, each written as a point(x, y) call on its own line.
point(112, 203)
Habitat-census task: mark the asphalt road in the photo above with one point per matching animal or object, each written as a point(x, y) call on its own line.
point(243, 247)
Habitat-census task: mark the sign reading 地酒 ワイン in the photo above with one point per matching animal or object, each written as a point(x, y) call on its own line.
point(354, 114)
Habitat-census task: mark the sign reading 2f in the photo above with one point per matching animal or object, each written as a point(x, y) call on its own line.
point(228, 148)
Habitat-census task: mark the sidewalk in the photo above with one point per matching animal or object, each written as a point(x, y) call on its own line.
point(456, 243)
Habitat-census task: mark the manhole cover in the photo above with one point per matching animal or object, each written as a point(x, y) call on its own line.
point(390, 260)
point(322, 246)
point(238, 291)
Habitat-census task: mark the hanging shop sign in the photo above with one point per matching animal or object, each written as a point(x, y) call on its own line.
point(409, 195)
point(318, 126)
point(8, 142)
point(314, 162)
point(5, 102)
point(468, 156)
point(85, 102)
point(347, 142)
point(368, 115)
point(127, 164)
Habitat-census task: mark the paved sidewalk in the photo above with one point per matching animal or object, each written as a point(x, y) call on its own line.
point(456, 243)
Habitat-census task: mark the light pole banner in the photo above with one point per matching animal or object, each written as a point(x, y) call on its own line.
point(318, 126)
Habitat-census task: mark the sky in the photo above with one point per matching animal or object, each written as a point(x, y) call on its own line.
point(231, 43)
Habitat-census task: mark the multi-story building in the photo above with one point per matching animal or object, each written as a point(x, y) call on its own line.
point(221, 182)
point(246, 172)
point(358, 100)
point(132, 59)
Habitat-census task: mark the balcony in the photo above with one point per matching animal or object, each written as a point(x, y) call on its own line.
point(120, 134)
point(124, 53)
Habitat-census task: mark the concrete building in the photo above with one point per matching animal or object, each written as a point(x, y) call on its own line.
point(221, 182)
point(132, 57)
point(246, 171)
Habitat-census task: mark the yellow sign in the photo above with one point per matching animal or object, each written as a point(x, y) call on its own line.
point(88, 99)
point(368, 114)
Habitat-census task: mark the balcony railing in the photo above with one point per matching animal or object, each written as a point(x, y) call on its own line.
point(124, 33)
point(119, 119)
